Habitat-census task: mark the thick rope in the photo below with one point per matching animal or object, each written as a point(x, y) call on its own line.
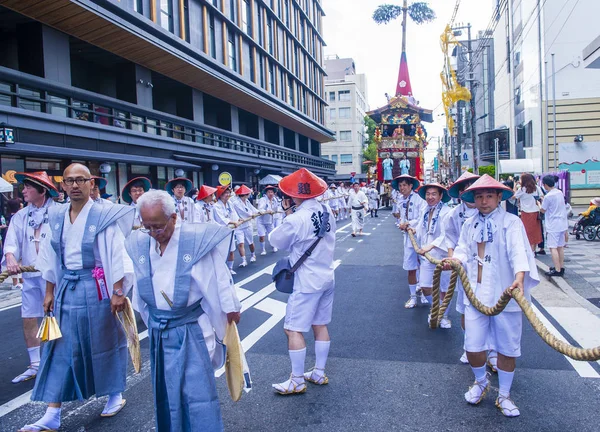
point(437, 310)
point(22, 269)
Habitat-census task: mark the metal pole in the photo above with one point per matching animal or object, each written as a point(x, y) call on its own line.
point(547, 132)
point(497, 157)
point(459, 132)
point(473, 105)
point(554, 109)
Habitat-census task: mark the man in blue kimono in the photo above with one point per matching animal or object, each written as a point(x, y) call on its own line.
point(185, 294)
point(87, 274)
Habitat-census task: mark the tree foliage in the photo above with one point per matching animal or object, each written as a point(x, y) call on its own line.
point(489, 170)
point(370, 152)
point(419, 12)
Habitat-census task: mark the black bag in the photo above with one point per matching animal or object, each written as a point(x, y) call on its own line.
point(283, 273)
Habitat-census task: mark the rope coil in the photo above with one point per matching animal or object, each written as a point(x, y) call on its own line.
point(437, 310)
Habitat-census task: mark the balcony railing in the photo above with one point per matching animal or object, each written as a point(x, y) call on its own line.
point(35, 94)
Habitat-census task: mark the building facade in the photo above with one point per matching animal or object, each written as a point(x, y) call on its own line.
point(163, 88)
point(346, 94)
point(545, 94)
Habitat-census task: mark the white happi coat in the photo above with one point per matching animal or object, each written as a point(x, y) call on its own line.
point(109, 251)
point(505, 256)
point(205, 212)
point(20, 237)
point(395, 197)
point(411, 209)
point(426, 236)
point(244, 210)
point(373, 198)
point(211, 282)
point(454, 222)
point(224, 213)
point(332, 199)
point(264, 205)
point(137, 219)
point(186, 210)
point(296, 234)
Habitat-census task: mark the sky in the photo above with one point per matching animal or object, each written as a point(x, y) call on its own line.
point(349, 31)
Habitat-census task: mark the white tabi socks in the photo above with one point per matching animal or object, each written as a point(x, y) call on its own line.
point(50, 421)
point(481, 386)
point(296, 382)
point(504, 402)
point(34, 364)
point(317, 374)
point(114, 404)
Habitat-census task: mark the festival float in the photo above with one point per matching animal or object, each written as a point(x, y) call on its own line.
point(400, 129)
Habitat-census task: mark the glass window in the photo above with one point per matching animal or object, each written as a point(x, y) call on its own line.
point(233, 10)
point(332, 113)
point(140, 169)
point(270, 35)
point(290, 91)
point(345, 113)
point(345, 135)
point(42, 164)
point(261, 71)
point(325, 157)
point(5, 98)
point(252, 69)
point(211, 36)
point(346, 159)
point(259, 26)
point(331, 96)
point(271, 78)
point(247, 17)
point(334, 158)
point(231, 51)
point(151, 126)
point(166, 15)
point(57, 105)
point(344, 95)
point(138, 6)
point(137, 123)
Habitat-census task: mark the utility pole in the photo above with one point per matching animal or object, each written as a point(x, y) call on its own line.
point(459, 132)
point(471, 82)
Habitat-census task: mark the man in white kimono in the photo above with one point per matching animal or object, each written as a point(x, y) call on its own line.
point(132, 191)
point(205, 204)
point(245, 210)
point(494, 250)
point(358, 204)
point(28, 230)
point(267, 205)
point(331, 198)
point(556, 222)
point(344, 206)
point(95, 193)
point(395, 199)
point(87, 274)
point(373, 196)
point(411, 207)
point(184, 205)
point(226, 216)
point(186, 297)
point(311, 302)
point(430, 237)
point(452, 227)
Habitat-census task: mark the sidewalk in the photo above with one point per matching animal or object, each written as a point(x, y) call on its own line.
point(582, 267)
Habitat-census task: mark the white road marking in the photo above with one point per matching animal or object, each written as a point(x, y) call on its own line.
point(343, 228)
point(350, 250)
point(17, 402)
point(360, 241)
point(374, 228)
point(10, 307)
point(584, 369)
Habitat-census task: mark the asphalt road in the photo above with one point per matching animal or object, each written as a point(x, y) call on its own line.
point(387, 370)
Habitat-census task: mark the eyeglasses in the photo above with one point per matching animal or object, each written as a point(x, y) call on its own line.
point(79, 180)
point(155, 231)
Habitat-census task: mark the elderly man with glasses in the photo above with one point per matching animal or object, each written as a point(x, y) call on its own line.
point(186, 297)
point(87, 274)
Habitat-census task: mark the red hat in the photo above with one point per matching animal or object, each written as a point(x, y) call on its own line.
point(443, 190)
point(363, 184)
point(205, 191)
point(486, 182)
point(243, 190)
point(101, 182)
point(467, 177)
point(40, 178)
point(302, 184)
point(126, 196)
point(221, 189)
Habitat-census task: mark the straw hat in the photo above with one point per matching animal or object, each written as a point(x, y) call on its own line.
point(234, 362)
point(332, 185)
point(126, 196)
point(40, 178)
point(270, 187)
point(443, 190)
point(396, 182)
point(467, 177)
point(302, 184)
point(186, 182)
point(205, 191)
point(101, 182)
point(486, 182)
point(243, 190)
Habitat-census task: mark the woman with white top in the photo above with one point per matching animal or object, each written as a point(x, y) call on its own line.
point(528, 195)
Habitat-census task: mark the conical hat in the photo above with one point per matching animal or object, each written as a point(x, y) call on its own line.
point(186, 182)
point(270, 187)
point(220, 190)
point(126, 196)
point(101, 182)
point(243, 190)
point(486, 182)
point(205, 191)
point(332, 185)
point(39, 178)
point(302, 184)
point(467, 177)
point(423, 190)
point(234, 363)
point(396, 181)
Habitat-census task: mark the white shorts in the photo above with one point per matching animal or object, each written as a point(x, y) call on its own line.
point(32, 297)
point(395, 209)
point(426, 275)
point(239, 237)
point(555, 239)
point(246, 236)
point(307, 309)
point(411, 259)
point(501, 333)
point(263, 229)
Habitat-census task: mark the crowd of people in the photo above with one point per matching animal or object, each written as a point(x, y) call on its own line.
point(175, 255)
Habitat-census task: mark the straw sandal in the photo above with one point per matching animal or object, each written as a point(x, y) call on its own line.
point(114, 413)
point(503, 403)
point(483, 387)
point(493, 365)
point(320, 380)
point(293, 387)
point(26, 377)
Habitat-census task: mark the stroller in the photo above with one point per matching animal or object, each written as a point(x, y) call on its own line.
point(588, 227)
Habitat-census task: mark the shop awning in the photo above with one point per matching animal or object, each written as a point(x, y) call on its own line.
point(72, 153)
point(516, 166)
point(5, 186)
point(271, 179)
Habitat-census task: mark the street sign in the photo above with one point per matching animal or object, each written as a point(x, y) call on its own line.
point(225, 179)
